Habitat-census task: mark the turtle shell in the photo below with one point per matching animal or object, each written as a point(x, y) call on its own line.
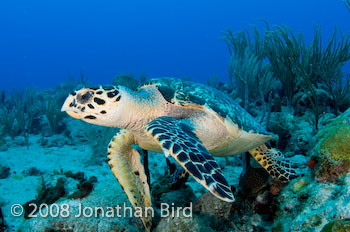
point(184, 92)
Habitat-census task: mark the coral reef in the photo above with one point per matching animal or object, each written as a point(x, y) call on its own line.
point(335, 138)
point(252, 77)
point(52, 110)
point(322, 195)
point(295, 89)
point(338, 225)
point(295, 133)
point(309, 66)
point(211, 209)
point(29, 111)
point(82, 226)
point(310, 75)
point(308, 205)
point(253, 179)
point(208, 214)
point(332, 149)
point(183, 224)
point(282, 125)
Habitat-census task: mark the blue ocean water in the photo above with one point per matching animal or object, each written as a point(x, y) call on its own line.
point(43, 42)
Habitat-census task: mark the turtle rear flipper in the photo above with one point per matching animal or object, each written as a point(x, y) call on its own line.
point(274, 163)
point(177, 139)
point(126, 166)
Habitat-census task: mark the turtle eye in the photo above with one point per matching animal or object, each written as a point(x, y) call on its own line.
point(84, 98)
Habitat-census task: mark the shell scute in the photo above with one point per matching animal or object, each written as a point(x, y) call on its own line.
point(186, 93)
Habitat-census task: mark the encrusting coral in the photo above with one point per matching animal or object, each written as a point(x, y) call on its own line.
point(332, 149)
point(308, 205)
point(337, 225)
point(336, 143)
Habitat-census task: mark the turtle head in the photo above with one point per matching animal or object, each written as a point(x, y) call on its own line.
point(96, 105)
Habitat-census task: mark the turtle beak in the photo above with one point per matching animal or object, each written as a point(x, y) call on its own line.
point(69, 107)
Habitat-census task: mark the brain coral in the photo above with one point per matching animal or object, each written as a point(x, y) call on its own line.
point(333, 149)
point(334, 138)
point(337, 142)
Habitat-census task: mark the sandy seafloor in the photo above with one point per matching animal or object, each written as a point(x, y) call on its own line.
point(19, 188)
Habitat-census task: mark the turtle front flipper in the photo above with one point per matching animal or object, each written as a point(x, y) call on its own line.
point(126, 166)
point(178, 139)
point(274, 162)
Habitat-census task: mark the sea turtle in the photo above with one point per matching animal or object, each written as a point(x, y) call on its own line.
point(189, 121)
